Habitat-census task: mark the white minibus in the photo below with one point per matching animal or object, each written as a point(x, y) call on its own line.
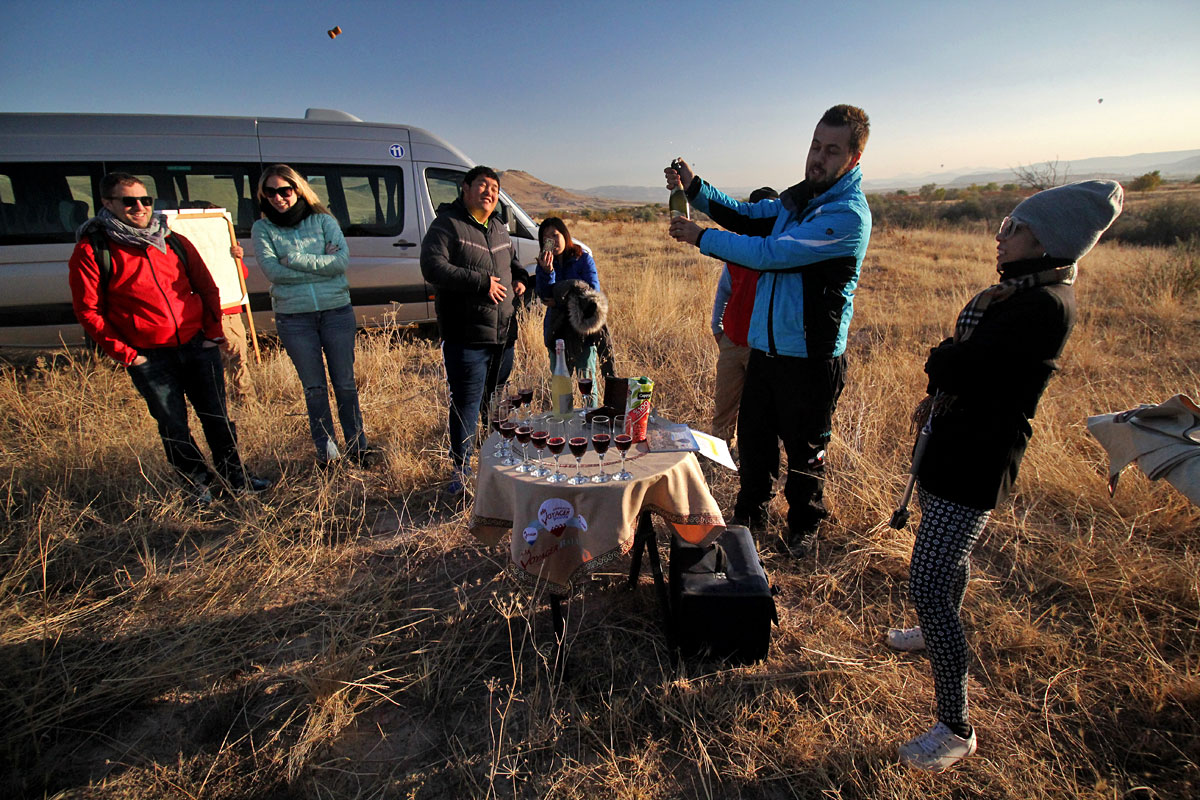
point(382, 182)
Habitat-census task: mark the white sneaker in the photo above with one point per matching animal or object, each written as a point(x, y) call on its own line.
point(937, 749)
point(905, 639)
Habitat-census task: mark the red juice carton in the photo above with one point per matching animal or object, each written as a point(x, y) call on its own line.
point(637, 409)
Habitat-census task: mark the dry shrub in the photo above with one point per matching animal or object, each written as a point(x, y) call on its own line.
point(343, 635)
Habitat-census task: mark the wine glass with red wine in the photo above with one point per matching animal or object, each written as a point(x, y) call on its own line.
point(524, 433)
point(508, 429)
point(585, 389)
point(578, 446)
point(526, 395)
point(622, 440)
point(601, 439)
point(540, 437)
point(556, 443)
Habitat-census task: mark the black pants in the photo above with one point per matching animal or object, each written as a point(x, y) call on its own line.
point(170, 379)
point(789, 399)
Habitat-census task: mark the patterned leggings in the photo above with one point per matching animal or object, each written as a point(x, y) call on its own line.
point(936, 584)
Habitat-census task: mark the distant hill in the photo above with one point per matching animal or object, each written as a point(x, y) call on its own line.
point(539, 198)
point(1173, 165)
point(649, 194)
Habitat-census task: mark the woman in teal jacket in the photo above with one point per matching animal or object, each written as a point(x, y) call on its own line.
point(301, 249)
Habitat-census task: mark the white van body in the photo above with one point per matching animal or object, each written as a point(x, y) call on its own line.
point(382, 182)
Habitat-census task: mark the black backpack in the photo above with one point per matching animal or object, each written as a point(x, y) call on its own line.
point(104, 255)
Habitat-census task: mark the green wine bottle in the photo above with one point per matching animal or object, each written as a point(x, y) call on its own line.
point(678, 203)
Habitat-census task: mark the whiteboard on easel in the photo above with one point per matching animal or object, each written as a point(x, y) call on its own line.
point(211, 231)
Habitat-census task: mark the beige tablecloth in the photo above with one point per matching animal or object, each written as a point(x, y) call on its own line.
point(559, 532)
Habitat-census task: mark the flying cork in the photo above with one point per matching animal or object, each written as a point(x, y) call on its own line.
point(334, 31)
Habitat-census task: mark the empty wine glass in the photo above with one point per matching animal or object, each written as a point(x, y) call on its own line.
point(497, 413)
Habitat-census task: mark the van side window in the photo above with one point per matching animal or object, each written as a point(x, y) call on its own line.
point(365, 200)
point(443, 185)
point(196, 185)
point(44, 203)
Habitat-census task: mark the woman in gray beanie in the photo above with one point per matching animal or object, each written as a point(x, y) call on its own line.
point(984, 387)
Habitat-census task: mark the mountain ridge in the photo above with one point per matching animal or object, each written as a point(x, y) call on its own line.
point(539, 197)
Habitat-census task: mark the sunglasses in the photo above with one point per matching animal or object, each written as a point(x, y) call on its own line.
point(1008, 227)
point(282, 191)
point(132, 202)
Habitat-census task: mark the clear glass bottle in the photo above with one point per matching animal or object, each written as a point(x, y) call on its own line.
point(561, 388)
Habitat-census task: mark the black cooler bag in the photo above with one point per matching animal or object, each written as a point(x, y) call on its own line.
point(721, 602)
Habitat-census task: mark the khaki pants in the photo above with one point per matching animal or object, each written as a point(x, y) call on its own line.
point(237, 357)
point(731, 376)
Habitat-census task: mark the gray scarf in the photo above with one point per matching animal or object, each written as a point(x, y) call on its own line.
point(153, 235)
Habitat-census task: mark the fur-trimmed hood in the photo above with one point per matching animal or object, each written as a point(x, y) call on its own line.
point(586, 308)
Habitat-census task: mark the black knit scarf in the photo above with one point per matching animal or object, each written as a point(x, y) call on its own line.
point(287, 219)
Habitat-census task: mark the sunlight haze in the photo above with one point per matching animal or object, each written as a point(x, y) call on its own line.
point(583, 95)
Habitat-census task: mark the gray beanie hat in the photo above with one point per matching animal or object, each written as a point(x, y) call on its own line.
point(1068, 220)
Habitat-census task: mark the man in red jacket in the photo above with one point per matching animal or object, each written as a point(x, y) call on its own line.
point(732, 307)
point(146, 298)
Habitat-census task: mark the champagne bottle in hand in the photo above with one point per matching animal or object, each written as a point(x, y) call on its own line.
point(678, 203)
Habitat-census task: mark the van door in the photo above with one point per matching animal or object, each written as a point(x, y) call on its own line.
point(363, 174)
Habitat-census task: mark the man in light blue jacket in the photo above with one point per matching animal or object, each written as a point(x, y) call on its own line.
point(809, 244)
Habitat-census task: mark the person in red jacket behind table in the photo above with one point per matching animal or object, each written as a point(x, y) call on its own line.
point(732, 307)
point(160, 316)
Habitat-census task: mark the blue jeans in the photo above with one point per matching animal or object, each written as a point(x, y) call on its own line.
point(170, 379)
point(473, 373)
point(314, 340)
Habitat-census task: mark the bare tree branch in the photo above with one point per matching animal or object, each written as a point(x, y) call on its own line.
point(1040, 176)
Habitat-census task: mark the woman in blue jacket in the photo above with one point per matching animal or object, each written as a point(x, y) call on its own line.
point(301, 249)
point(576, 309)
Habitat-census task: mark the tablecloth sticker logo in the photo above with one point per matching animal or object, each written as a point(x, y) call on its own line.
point(556, 514)
point(397, 150)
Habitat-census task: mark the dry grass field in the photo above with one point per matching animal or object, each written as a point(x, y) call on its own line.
point(344, 636)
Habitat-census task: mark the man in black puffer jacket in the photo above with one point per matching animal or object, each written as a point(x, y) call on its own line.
point(469, 259)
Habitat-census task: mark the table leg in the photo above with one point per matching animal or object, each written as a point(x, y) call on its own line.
point(556, 617)
point(643, 536)
point(644, 539)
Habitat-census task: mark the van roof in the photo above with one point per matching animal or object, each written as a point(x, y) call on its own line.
point(40, 135)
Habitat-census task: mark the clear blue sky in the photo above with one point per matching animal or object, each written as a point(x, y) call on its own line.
point(583, 94)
